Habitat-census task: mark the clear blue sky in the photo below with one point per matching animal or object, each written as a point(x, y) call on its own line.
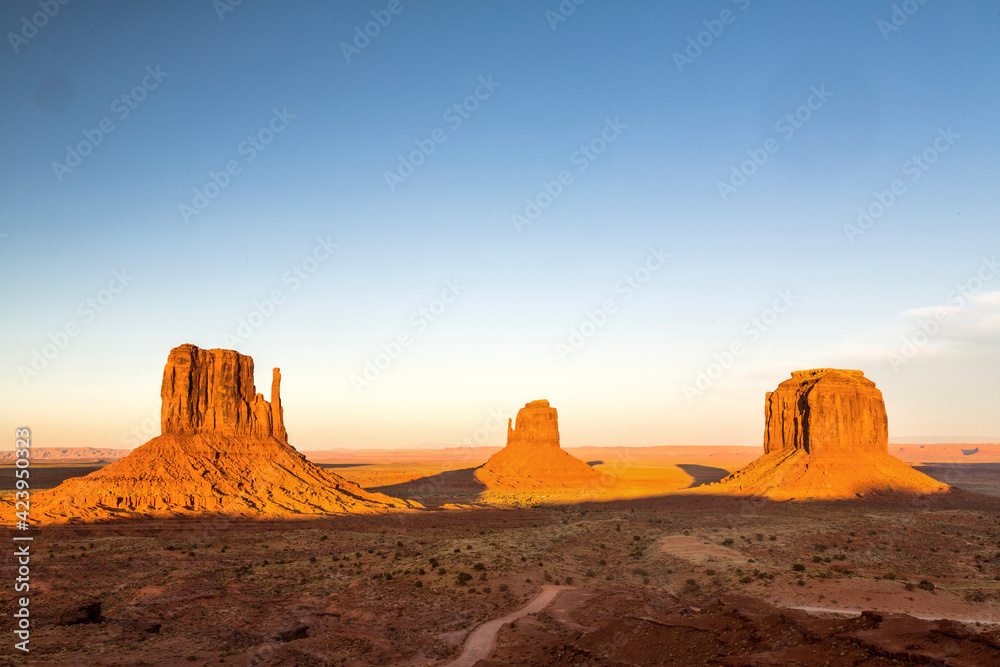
point(831, 100)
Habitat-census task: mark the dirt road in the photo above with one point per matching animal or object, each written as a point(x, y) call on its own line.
point(480, 643)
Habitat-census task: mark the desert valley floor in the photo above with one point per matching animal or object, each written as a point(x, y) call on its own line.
point(656, 578)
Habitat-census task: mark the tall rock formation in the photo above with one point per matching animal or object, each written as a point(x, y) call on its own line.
point(826, 435)
point(533, 459)
point(212, 391)
point(223, 449)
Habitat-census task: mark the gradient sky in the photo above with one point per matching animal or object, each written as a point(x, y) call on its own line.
point(881, 94)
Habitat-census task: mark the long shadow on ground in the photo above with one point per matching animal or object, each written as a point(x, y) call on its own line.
point(435, 490)
point(702, 474)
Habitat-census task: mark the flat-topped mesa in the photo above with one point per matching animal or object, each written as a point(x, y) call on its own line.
point(826, 435)
point(212, 391)
point(537, 425)
point(827, 412)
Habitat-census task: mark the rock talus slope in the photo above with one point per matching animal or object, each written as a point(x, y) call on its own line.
point(224, 449)
point(826, 435)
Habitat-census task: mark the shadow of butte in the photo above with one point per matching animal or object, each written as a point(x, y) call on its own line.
point(702, 474)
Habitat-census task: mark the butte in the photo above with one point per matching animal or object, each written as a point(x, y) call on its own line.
point(533, 459)
point(223, 450)
point(826, 435)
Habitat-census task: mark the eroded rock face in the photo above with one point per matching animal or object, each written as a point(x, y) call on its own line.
point(826, 412)
point(537, 426)
point(533, 458)
point(826, 435)
point(224, 450)
point(212, 391)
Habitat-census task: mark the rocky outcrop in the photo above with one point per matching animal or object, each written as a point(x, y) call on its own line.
point(826, 435)
point(223, 450)
point(212, 391)
point(826, 412)
point(534, 460)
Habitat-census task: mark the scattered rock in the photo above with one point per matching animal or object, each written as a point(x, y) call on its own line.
point(298, 631)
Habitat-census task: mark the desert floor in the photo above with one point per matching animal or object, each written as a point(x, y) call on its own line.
point(659, 579)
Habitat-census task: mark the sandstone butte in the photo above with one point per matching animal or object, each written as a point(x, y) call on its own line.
point(223, 450)
point(533, 459)
point(826, 435)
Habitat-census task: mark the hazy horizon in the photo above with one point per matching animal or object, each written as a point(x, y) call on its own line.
point(649, 215)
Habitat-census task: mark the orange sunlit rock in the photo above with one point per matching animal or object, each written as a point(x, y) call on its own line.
point(223, 449)
point(826, 435)
point(533, 458)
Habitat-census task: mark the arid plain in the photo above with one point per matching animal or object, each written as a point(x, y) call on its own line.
point(217, 543)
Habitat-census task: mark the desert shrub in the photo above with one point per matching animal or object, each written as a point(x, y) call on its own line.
point(817, 559)
point(388, 576)
point(399, 543)
point(801, 582)
point(487, 589)
point(589, 573)
point(479, 566)
point(482, 577)
point(773, 538)
point(728, 542)
point(710, 572)
point(421, 571)
point(441, 571)
point(569, 581)
point(457, 550)
point(418, 584)
point(640, 572)
point(636, 538)
point(799, 567)
point(889, 575)
point(504, 588)
point(548, 577)
point(926, 585)
point(463, 578)
point(524, 559)
point(909, 586)
point(603, 561)
point(760, 537)
point(434, 563)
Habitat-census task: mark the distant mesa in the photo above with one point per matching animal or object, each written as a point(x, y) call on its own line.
point(224, 449)
point(826, 435)
point(533, 459)
point(70, 454)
